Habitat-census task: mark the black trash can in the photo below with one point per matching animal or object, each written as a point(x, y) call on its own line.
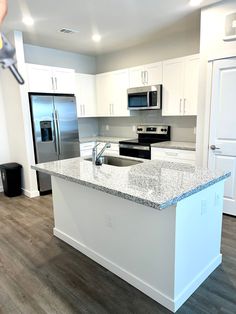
point(11, 179)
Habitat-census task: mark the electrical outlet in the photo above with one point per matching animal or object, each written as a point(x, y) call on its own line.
point(134, 128)
point(107, 127)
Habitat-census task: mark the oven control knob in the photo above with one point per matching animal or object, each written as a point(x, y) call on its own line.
point(139, 129)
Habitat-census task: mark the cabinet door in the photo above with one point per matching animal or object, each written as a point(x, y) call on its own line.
point(154, 73)
point(173, 86)
point(120, 81)
point(191, 83)
point(40, 78)
point(104, 88)
point(136, 77)
point(64, 81)
point(86, 95)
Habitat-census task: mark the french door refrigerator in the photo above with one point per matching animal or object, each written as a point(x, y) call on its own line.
point(55, 131)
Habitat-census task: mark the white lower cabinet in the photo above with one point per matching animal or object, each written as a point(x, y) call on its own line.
point(86, 149)
point(174, 155)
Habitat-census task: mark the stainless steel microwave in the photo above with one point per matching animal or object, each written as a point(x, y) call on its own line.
point(147, 97)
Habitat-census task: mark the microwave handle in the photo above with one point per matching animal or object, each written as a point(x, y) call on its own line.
point(148, 99)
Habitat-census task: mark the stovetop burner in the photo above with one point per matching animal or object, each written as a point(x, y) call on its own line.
point(148, 135)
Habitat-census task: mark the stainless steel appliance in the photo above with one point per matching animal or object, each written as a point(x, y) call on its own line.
point(55, 131)
point(147, 135)
point(147, 97)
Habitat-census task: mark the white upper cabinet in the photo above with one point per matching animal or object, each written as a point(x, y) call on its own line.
point(112, 97)
point(44, 79)
point(150, 74)
point(180, 86)
point(86, 95)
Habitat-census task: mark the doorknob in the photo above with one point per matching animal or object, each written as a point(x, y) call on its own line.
point(213, 147)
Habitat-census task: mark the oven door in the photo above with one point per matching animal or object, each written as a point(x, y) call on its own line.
point(137, 151)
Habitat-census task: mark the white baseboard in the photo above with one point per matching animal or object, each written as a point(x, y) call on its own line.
point(119, 271)
point(30, 194)
point(172, 305)
point(197, 281)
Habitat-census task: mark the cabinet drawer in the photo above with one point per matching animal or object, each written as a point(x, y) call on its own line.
point(88, 145)
point(174, 155)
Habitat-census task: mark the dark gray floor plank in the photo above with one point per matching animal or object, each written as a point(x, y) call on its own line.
point(41, 274)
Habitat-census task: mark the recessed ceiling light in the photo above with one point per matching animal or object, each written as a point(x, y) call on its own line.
point(96, 37)
point(27, 20)
point(195, 3)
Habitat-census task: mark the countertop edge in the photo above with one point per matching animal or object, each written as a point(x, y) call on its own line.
point(132, 198)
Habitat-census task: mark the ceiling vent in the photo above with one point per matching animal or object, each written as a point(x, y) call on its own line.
point(68, 31)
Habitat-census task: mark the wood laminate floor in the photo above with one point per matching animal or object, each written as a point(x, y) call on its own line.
point(41, 274)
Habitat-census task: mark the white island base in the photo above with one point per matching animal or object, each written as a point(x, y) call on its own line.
point(165, 253)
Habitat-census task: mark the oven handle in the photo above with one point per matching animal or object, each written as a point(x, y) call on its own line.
point(147, 148)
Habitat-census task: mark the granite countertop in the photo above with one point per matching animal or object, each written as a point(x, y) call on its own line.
point(176, 145)
point(106, 139)
point(157, 184)
point(169, 144)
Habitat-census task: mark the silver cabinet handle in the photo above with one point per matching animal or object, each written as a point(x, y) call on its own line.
point(56, 82)
point(213, 147)
point(142, 77)
point(52, 83)
point(185, 105)
point(113, 109)
point(84, 110)
point(146, 77)
point(180, 105)
point(81, 110)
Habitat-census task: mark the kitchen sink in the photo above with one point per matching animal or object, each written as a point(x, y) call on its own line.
point(117, 161)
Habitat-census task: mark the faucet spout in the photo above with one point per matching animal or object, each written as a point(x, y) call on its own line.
point(97, 157)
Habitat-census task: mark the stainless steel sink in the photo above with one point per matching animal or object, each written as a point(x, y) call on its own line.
point(117, 161)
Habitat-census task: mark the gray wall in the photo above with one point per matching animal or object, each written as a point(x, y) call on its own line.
point(182, 38)
point(182, 128)
point(59, 58)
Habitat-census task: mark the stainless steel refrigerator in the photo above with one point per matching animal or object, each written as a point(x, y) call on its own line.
point(55, 131)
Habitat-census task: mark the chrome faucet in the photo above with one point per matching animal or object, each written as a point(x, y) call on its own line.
point(97, 157)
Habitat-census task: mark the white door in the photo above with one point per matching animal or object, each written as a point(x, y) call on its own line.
point(64, 81)
point(222, 141)
point(191, 86)
point(173, 87)
point(40, 78)
point(120, 97)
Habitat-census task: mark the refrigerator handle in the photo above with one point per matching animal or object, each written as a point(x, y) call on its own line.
point(58, 132)
point(55, 133)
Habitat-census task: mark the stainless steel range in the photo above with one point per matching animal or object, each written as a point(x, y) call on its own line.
point(147, 135)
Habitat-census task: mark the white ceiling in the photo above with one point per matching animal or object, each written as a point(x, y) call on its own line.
point(121, 23)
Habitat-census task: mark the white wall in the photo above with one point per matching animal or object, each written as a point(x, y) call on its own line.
point(4, 144)
point(58, 58)
point(18, 119)
point(212, 47)
point(182, 38)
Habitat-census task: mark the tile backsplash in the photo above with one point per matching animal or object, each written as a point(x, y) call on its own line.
point(182, 128)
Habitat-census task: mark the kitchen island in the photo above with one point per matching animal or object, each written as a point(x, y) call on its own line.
point(156, 224)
